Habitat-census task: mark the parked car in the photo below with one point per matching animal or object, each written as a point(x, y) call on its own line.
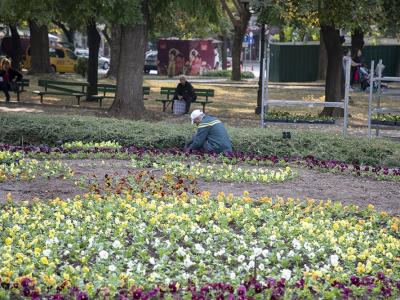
point(151, 61)
point(104, 62)
point(62, 60)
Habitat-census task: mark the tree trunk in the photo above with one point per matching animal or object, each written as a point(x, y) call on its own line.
point(39, 40)
point(128, 101)
point(282, 37)
point(239, 31)
point(93, 62)
point(16, 56)
point(115, 44)
point(224, 52)
point(323, 58)
point(333, 44)
point(357, 41)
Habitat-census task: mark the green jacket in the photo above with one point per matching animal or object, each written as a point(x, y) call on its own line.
point(211, 136)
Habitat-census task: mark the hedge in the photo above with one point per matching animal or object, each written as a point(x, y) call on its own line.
point(39, 129)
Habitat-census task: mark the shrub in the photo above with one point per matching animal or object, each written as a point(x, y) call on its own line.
point(39, 129)
point(228, 74)
point(81, 66)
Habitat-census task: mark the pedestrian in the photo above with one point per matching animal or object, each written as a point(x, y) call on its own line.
point(356, 63)
point(8, 78)
point(185, 92)
point(211, 135)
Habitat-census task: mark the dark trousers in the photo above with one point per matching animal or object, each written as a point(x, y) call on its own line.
point(5, 87)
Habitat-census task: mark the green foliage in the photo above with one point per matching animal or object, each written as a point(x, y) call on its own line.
point(347, 14)
point(81, 66)
point(228, 74)
point(48, 129)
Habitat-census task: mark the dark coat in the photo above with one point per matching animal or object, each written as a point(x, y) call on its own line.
point(186, 91)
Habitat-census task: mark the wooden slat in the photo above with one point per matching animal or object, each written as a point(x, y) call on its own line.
point(303, 103)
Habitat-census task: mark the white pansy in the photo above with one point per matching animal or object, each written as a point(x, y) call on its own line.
point(103, 254)
point(220, 252)
point(296, 244)
point(272, 238)
point(241, 258)
point(117, 244)
point(334, 259)
point(199, 248)
point(112, 268)
point(265, 253)
point(261, 267)
point(47, 252)
point(286, 273)
point(181, 251)
point(66, 252)
point(187, 262)
point(278, 256)
point(291, 253)
point(130, 264)
point(233, 276)
point(251, 264)
point(257, 251)
point(152, 261)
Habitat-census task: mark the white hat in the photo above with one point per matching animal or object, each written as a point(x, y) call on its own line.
point(195, 114)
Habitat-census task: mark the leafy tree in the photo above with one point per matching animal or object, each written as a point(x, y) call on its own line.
point(239, 15)
point(38, 13)
point(331, 16)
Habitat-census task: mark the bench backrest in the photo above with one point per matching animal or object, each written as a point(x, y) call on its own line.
point(201, 93)
point(61, 85)
point(112, 88)
point(62, 89)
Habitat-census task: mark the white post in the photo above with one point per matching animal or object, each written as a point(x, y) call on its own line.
point(371, 89)
point(262, 74)
point(346, 96)
point(264, 104)
point(379, 92)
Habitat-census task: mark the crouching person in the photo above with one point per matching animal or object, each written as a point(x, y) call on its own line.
point(211, 135)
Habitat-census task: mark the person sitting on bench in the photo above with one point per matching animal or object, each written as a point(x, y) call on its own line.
point(211, 135)
point(8, 78)
point(184, 91)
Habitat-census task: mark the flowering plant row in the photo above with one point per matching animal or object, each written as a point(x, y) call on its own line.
point(134, 241)
point(355, 169)
point(220, 172)
point(14, 166)
point(378, 286)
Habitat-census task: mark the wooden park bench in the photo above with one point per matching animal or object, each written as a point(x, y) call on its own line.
point(62, 88)
point(111, 88)
point(203, 96)
point(21, 87)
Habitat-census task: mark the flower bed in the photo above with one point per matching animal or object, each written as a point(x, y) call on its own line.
point(221, 172)
point(14, 167)
point(386, 119)
point(145, 243)
point(149, 155)
point(287, 117)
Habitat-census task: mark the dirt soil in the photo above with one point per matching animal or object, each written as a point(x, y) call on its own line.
point(308, 184)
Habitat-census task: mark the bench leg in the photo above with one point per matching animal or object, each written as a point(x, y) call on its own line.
point(164, 106)
point(204, 107)
point(101, 102)
point(41, 98)
point(17, 96)
point(79, 100)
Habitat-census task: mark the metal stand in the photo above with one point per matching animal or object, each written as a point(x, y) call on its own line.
point(266, 102)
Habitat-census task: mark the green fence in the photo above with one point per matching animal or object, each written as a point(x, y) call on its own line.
point(299, 63)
